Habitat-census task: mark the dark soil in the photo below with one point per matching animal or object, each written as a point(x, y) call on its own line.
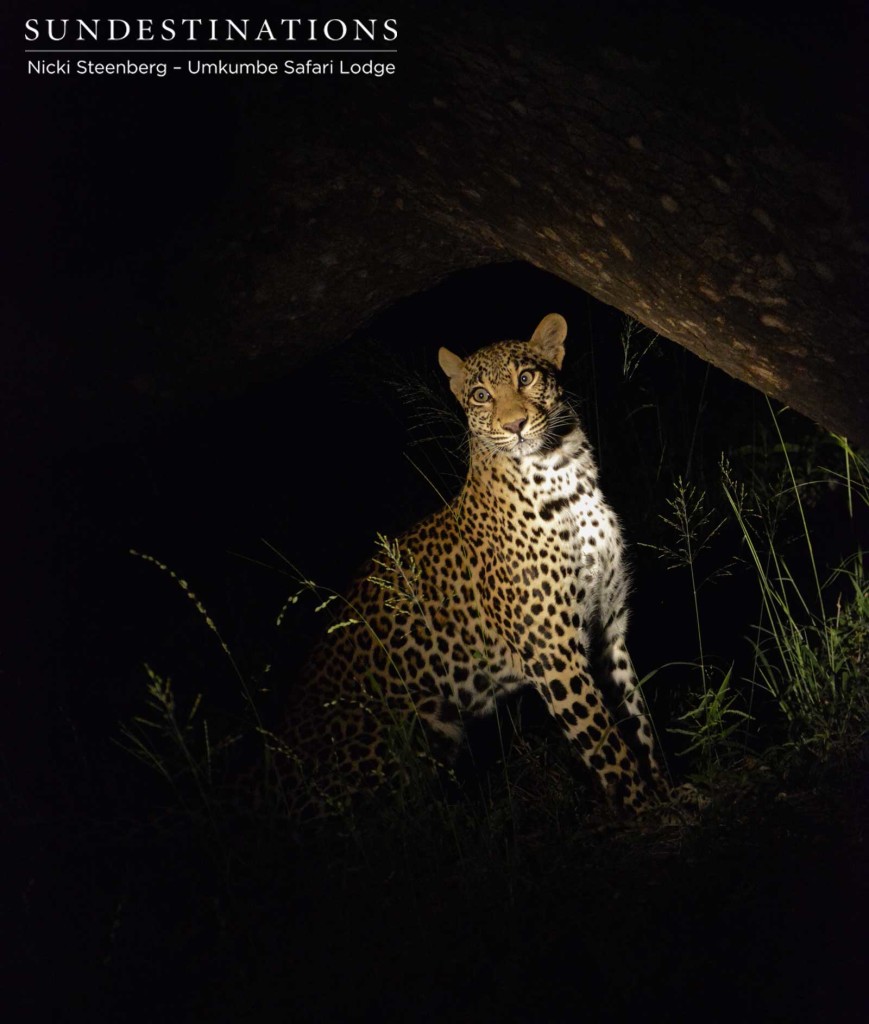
point(755, 913)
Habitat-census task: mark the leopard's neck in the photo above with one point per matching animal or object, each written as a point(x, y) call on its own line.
point(498, 480)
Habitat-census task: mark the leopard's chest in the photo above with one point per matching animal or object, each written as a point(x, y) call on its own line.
point(547, 536)
point(571, 535)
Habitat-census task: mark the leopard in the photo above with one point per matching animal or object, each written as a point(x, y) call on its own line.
point(512, 585)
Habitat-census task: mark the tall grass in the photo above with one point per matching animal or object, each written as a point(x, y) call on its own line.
point(811, 641)
point(808, 644)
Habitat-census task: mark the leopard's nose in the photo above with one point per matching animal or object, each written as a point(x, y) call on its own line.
point(515, 426)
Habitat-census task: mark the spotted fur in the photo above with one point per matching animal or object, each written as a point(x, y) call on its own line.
point(506, 587)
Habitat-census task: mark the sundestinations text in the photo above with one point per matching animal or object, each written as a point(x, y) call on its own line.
point(211, 30)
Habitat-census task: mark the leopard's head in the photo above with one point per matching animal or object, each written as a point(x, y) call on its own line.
point(510, 390)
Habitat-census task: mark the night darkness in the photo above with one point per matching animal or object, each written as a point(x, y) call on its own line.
point(135, 417)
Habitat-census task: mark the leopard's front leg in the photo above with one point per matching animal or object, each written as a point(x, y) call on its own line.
point(631, 711)
point(572, 697)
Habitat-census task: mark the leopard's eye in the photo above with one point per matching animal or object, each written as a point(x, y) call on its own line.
point(525, 378)
point(481, 395)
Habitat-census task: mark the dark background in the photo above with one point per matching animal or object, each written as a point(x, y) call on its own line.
point(117, 185)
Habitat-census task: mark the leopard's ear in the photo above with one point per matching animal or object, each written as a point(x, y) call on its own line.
point(548, 340)
point(454, 367)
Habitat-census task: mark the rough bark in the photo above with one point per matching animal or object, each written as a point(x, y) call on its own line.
point(672, 176)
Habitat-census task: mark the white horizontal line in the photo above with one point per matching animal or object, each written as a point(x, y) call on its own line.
point(263, 53)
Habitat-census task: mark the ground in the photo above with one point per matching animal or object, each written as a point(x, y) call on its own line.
point(757, 913)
